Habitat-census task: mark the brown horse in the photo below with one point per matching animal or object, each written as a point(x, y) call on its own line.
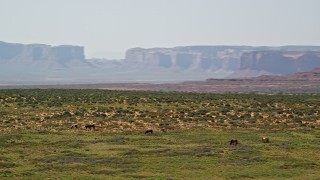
point(90, 126)
point(265, 140)
point(233, 142)
point(149, 131)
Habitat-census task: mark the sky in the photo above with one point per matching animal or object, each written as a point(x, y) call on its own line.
point(107, 28)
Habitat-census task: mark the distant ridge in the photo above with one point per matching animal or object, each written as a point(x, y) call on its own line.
point(309, 75)
point(66, 64)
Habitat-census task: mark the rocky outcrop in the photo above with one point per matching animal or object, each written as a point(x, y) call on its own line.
point(313, 75)
point(44, 63)
point(201, 58)
point(280, 62)
point(35, 53)
point(241, 61)
point(40, 63)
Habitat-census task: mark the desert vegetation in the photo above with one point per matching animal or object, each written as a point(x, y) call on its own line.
point(190, 139)
point(138, 110)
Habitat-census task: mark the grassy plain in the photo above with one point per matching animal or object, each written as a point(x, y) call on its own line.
point(36, 141)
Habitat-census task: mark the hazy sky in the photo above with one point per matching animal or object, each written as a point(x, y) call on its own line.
point(116, 25)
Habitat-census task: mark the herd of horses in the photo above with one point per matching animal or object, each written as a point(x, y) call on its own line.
point(150, 131)
point(87, 126)
point(235, 141)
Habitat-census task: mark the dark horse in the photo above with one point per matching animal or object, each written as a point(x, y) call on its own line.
point(149, 131)
point(90, 126)
point(74, 126)
point(233, 142)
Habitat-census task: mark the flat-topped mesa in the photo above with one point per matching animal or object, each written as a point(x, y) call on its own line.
point(40, 62)
point(280, 62)
point(19, 53)
point(67, 53)
point(205, 58)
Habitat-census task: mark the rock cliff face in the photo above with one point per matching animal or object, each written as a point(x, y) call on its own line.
point(44, 63)
point(202, 58)
point(242, 61)
point(280, 62)
point(39, 63)
point(20, 54)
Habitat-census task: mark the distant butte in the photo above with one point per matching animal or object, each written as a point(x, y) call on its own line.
point(32, 64)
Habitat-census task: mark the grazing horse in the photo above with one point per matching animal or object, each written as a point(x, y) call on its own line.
point(265, 140)
point(233, 142)
point(74, 126)
point(149, 131)
point(90, 126)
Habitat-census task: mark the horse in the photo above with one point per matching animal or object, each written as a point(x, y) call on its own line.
point(90, 126)
point(233, 142)
point(149, 131)
point(74, 126)
point(265, 140)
